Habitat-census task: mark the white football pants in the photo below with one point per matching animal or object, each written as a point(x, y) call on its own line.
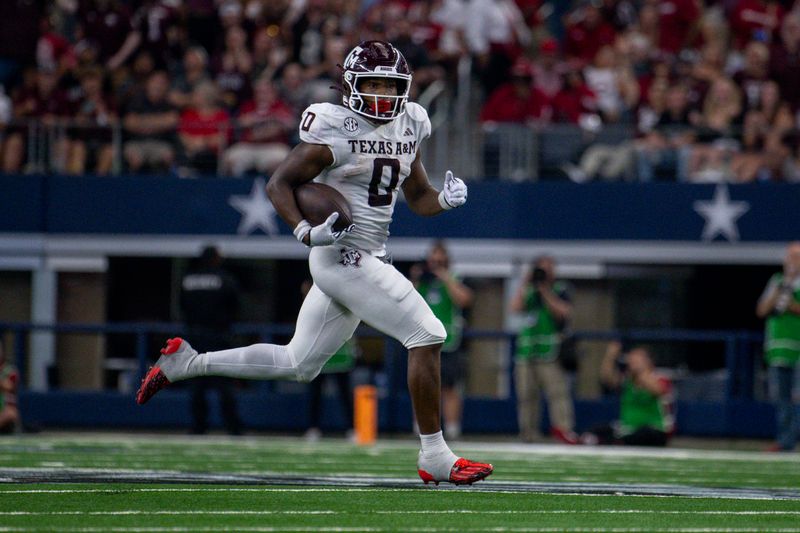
point(349, 286)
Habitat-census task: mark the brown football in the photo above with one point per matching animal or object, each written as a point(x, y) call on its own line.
point(318, 201)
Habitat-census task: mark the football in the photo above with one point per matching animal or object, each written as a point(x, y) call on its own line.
point(318, 201)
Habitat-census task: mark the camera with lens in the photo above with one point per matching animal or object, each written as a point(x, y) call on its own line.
point(539, 275)
point(621, 363)
point(427, 275)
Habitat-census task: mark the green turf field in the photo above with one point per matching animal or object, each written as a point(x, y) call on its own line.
point(130, 483)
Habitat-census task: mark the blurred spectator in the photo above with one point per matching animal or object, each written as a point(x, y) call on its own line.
point(496, 34)
point(548, 69)
point(755, 19)
point(53, 51)
point(444, 34)
point(785, 60)
point(765, 126)
point(92, 122)
point(266, 123)
point(150, 125)
point(9, 378)
point(106, 25)
point(614, 84)
point(64, 18)
point(425, 71)
point(337, 370)
point(678, 22)
point(780, 306)
point(38, 106)
point(209, 300)
point(754, 72)
point(203, 131)
point(309, 31)
point(195, 71)
point(324, 78)
point(294, 89)
point(447, 297)
point(642, 38)
point(232, 68)
point(545, 305)
point(152, 25)
point(646, 415)
point(587, 33)
point(270, 53)
point(515, 102)
point(659, 150)
point(574, 100)
point(128, 83)
point(703, 70)
point(718, 132)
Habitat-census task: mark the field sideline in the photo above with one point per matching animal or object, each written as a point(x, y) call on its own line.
point(85, 482)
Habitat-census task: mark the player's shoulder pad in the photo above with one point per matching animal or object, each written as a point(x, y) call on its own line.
point(323, 113)
point(317, 121)
point(418, 114)
point(416, 111)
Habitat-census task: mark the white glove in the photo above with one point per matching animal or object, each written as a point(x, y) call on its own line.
point(454, 193)
point(322, 235)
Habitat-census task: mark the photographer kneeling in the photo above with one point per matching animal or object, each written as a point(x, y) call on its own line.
point(645, 414)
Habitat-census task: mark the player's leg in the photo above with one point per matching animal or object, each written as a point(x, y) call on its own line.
point(323, 326)
point(381, 296)
point(424, 371)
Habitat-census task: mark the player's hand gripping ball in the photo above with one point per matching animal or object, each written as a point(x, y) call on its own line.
point(327, 214)
point(454, 193)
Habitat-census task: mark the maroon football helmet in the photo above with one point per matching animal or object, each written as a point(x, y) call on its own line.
point(376, 59)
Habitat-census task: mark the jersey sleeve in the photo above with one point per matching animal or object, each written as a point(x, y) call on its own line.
point(316, 127)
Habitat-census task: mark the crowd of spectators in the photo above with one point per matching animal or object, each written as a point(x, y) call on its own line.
point(706, 87)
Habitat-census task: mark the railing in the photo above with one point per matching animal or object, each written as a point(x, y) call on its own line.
point(510, 151)
point(515, 152)
point(739, 347)
point(736, 411)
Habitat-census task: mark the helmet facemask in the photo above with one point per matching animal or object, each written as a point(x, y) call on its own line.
point(382, 107)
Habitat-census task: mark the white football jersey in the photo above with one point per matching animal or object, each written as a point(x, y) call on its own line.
point(370, 163)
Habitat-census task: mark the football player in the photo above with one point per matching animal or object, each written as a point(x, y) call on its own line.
point(367, 149)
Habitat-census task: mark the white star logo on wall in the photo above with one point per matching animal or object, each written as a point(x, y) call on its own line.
point(721, 215)
point(256, 209)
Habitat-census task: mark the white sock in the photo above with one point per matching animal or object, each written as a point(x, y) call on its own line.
point(259, 361)
point(436, 457)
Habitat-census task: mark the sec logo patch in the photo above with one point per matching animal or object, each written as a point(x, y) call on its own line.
point(350, 125)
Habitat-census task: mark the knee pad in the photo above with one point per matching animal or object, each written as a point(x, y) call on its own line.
point(430, 331)
point(306, 373)
point(307, 368)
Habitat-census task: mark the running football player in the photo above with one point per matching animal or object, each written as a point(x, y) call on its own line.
point(367, 149)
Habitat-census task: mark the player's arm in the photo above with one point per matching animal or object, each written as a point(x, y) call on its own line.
point(424, 199)
point(304, 163)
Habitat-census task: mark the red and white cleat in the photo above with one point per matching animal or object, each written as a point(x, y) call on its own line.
point(464, 472)
point(155, 380)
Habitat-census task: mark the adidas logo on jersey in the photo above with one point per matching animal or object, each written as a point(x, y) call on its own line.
point(408, 133)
